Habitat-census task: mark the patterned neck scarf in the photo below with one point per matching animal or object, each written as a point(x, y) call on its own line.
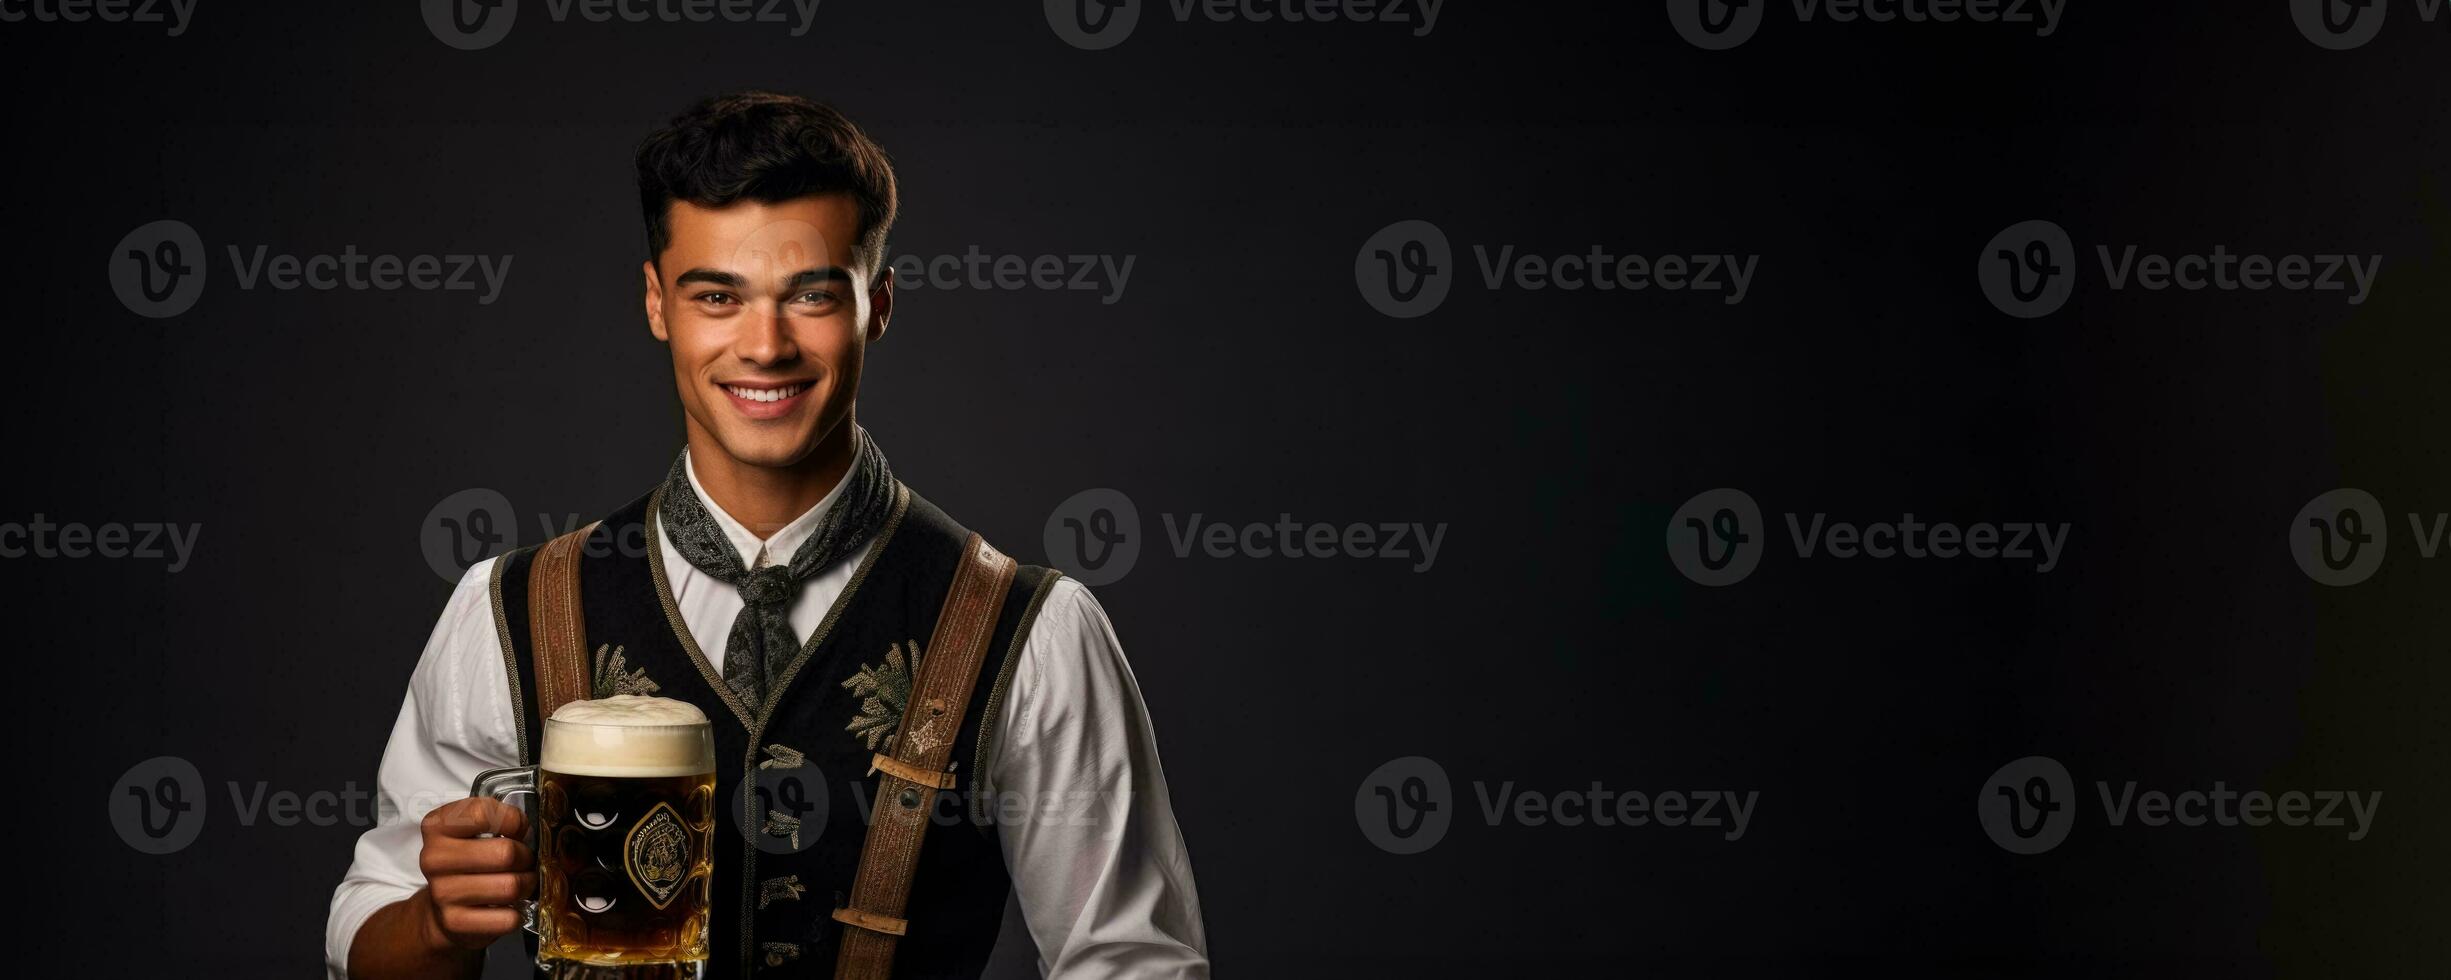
point(762, 643)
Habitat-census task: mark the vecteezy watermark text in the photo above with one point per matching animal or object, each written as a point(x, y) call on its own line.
point(1406, 269)
point(159, 270)
point(1718, 537)
point(478, 523)
point(2030, 269)
point(179, 12)
point(160, 805)
point(2029, 806)
point(1717, 25)
point(1095, 536)
point(1407, 805)
point(472, 25)
point(1106, 275)
point(1093, 25)
point(1414, 543)
point(359, 272)
point(143, 540)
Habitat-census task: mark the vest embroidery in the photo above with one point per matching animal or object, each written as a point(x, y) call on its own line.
point(783, 825)
point(772, 890)
point(883, 689)
point(614, 676)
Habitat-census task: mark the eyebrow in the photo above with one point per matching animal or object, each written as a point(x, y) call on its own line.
point(821, 274)
point(711, 277)
point(733, 280)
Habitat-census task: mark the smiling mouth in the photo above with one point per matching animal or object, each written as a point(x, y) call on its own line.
point(783, 393)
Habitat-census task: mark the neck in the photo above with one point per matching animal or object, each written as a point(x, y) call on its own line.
point(764, 498)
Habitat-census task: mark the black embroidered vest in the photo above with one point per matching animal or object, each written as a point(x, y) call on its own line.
point(792, 782)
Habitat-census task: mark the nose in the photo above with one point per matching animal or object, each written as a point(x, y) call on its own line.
point(765, 337)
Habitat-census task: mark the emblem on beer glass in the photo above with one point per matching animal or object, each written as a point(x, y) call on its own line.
point(657, 855)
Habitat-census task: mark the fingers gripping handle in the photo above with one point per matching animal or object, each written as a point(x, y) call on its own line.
point(516, 786)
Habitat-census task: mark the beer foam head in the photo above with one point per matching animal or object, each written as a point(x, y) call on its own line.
point(628, 735)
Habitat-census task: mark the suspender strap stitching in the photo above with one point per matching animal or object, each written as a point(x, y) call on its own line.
point(557, 633)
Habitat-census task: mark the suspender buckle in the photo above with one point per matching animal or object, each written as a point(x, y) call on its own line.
point(909, 773)
point(872, 922)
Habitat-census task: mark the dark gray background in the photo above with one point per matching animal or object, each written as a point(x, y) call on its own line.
point(1243, 376)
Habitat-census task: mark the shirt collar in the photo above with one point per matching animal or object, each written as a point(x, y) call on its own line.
point(777, 547)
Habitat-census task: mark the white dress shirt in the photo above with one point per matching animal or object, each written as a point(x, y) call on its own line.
point(1098, 864)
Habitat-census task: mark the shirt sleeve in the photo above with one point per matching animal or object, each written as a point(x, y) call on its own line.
point(1081, 808)
point(455, 723)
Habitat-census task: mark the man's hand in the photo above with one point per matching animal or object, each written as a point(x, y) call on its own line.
point(473, 885)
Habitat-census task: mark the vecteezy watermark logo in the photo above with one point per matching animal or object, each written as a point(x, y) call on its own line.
point(158, 805)
point(1106, 275)
point(144, 540)
point(1405, 806)
point(1404, 270)
point(471, 25)
point(1094, 536)
point(784, 804)
point(1092, 25)
point(2340, 537)
point(1717, 25)
point(1717, 538)
point(466, 528)
point(158, 270)
point(181, 12)
point(478, 523)
point(2029, 269)
point(2028, 805)
point(2340, 25)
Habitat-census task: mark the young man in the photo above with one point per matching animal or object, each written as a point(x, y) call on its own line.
point(780, 579)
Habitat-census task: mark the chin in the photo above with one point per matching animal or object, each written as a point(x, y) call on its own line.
point(766, 450)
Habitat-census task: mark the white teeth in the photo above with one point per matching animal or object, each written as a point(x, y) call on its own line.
point(765, 394)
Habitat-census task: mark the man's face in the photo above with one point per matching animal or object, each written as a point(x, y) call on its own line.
point(768, 319)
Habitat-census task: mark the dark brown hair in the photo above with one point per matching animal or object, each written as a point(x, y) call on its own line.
point(764, 147)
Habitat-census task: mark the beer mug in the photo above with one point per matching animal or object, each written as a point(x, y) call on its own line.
point(623, 815)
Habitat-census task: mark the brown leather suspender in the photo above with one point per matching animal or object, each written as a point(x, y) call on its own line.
point(556, 630)
point(915, 769)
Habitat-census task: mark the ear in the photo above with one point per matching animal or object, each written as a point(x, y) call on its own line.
point(880, 304)
point(655, 303)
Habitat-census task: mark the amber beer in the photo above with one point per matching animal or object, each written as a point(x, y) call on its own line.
point(626, 814)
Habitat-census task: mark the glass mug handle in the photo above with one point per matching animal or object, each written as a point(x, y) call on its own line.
point(502, 785)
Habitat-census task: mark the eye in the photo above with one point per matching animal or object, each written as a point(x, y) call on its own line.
point(717, 299)
point(814, 297)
